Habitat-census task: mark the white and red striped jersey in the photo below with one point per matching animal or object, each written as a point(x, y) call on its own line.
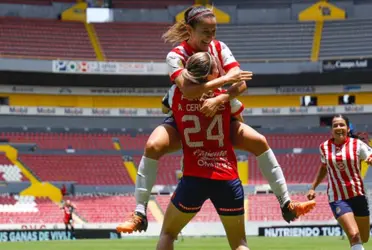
point(343, 164)
point(178, 56)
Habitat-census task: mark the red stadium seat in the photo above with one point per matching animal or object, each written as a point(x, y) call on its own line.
point(84, 169)
point(44, 39)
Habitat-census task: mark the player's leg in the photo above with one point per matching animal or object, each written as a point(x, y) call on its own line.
point(235, 231)
point(164, 139)
point(186, 201)
point(72, 236)
point(246, 138)
point(363, 223)
point(345, 217)
point(66, 229)
point(228, 199)
point(174, 222)
point(361, 214)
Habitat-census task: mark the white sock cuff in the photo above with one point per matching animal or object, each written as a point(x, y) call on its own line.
point(147, 165)
point(357, 247)
point(268, 157)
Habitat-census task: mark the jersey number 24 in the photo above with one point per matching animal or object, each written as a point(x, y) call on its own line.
point(216, 122)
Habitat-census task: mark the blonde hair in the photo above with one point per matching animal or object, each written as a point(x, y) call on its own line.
point(198, 67)
point(178, 32)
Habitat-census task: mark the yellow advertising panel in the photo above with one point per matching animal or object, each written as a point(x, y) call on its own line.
point(322, 11)
point(75, 13)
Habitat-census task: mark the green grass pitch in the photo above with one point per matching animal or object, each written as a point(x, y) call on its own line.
point(255, 243)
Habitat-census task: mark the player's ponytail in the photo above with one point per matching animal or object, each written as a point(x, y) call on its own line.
point(198, 67)
point(178, 32)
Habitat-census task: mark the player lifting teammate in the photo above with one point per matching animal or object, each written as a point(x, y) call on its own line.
point(196, 33)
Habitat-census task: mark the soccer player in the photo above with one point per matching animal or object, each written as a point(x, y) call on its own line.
point(210, 165)
point(341, 157)
point(68, 208)
point(196, 33)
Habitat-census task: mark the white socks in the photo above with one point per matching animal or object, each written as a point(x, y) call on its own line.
point(357, 247)
point(273, 173)
point(146, 177)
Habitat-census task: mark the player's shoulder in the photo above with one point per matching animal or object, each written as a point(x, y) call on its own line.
point(177, 52)
point(324, 143)
point(219, 43)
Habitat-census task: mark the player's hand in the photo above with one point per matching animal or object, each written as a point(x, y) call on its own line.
point(238, 75)
point(311, 194)
point(210, 106)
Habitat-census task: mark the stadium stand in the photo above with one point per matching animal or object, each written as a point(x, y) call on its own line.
point(28, 209)
point(126, 41)
point(83, 169)
point(348, 38)
point(271, 211)
point(268, 42)
point(108, 209)
point(44, 39)
point(168, 165)
point(149, 4)
point(9, 172)
point(33, 2)
point(136, 140)
point(62, 140)
point(297, 168)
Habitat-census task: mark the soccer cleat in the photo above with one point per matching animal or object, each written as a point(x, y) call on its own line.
point(137, 222)
point(294, 209)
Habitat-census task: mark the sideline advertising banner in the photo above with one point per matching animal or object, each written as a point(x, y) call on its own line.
point(48, 235)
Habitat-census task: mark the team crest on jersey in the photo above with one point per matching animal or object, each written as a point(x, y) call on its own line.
point(180, 64)
point(338, 210)
point(341, 166)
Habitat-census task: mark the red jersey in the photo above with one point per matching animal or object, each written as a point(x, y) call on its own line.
point(67, 210)
point(207, 147)
point(343, 167)
point(178, 56)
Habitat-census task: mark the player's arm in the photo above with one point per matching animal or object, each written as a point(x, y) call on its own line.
point(176, 63)
point(322, 173)
point(239, 117)
point(365, 152)
point(192, 90)
point(231, 66)
point(237, 109)
point(165, 107)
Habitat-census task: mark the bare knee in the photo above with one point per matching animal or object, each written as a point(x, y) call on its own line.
point(354, 238)
point(155, 148)
point(169, 237)
point(261, 144)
